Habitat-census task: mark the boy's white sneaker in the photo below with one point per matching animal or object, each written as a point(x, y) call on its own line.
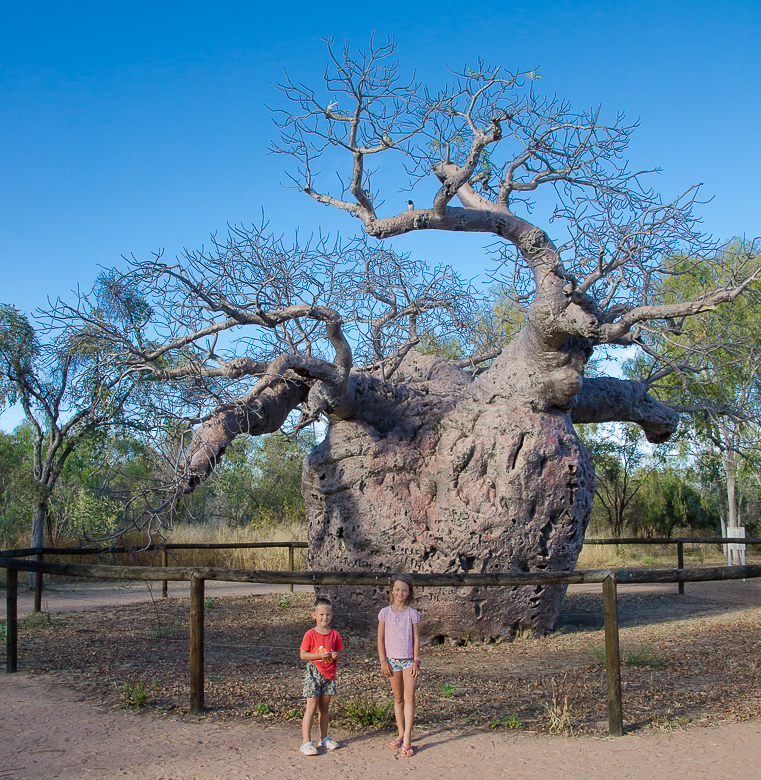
point(330, 744)
point(308, 749)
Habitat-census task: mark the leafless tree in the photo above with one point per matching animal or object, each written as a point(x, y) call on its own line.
point(431, 464)
point(243, 334)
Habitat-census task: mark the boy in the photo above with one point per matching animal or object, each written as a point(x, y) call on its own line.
point(322, 647)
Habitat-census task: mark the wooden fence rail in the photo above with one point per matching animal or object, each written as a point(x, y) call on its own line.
point(198, 575)
point(679, 541)
point(40, 553)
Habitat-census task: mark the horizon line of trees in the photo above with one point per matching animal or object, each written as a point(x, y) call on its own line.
point(257, 485)
point(100, 479)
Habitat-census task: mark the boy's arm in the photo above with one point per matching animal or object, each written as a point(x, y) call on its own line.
point(305, 656)
point(337, 652)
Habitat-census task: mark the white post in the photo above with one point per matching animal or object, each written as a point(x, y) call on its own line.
point(736, 550)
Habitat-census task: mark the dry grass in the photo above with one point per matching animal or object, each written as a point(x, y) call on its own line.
point(660, 556)
point(272, 559)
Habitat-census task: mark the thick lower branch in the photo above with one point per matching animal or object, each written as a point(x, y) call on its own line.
point(263, 415)
point(605, 399)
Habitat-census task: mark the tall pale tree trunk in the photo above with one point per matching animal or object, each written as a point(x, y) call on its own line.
point(38, 534)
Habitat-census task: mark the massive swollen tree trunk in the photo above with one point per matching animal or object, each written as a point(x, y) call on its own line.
point(457, 476)
point(438, 472)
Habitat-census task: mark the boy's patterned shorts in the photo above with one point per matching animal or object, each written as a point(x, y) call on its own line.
point(316, 685)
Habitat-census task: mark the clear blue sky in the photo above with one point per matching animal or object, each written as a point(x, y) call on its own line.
point(127, 128)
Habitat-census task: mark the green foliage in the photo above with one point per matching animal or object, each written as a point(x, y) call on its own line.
point(364, 712)
point(618, 459)
point(447, 689)
point(642, 493)
point(641, 656)
point(259, 480)
point(492, 326)
point(713, 363)
point(262, 708)
point(208, 604)
point(668, 501)
point(284, 601)
point(17, 486)
point(447, 347)
point(19, 349)
point(3, 631)
point(133, 696)
point(509, 722)
point(644, 656)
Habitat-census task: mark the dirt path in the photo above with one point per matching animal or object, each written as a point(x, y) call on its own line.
point(77, 596)
point(49, 732)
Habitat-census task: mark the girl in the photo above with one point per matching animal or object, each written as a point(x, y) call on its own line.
point(399, 654)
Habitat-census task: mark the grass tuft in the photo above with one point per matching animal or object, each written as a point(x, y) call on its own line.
point(365, 711)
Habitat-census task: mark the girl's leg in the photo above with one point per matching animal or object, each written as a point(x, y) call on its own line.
point(397, 686)
point(323, 703)
point(409, 684)
point(306, 724)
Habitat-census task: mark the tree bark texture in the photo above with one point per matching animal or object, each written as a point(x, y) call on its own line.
point(441, 473)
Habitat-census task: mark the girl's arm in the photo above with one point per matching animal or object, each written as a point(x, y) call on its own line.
point(385, 666)
point(415, 671)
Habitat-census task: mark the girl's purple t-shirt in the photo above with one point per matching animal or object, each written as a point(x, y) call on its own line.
point(398, 631)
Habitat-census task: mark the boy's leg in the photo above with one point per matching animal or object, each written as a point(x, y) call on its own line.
point(306, 724)
point(323, 703)
point(397, 686)
point(409, 683)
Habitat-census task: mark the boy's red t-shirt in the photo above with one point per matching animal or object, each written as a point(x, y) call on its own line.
point(315, 642)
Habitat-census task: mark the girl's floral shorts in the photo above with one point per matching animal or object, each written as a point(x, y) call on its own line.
point(315, 685)
point(400, 664)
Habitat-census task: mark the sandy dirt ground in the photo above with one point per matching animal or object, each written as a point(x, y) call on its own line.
point(76, 596)
point(48, 730)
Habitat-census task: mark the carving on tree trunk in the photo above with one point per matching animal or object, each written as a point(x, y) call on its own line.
point(458, 480)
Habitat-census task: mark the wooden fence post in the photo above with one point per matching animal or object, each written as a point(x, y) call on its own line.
point(290, 565)
point(196, 644)
point(11, 623)
point(680, 563)
point(38, 587)
point(612, 659)
point(164, 583)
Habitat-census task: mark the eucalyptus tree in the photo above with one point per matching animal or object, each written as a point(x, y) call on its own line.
point(710, 367)
point(428, 463)
point(69, 393)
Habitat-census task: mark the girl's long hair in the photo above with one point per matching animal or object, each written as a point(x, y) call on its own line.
point(407, 580)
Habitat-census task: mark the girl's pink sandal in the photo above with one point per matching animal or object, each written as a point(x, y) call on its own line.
point(395, 744)
point(407, 752)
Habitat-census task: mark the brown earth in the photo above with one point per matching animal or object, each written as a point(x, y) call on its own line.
point(693, 663)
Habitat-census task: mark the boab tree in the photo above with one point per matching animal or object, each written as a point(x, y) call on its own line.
point(431, 464)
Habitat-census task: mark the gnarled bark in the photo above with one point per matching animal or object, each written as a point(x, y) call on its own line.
point(442, 473)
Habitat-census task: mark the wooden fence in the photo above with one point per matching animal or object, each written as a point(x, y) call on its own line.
point(198, 575)
point(164, 549)
point(679, 541)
